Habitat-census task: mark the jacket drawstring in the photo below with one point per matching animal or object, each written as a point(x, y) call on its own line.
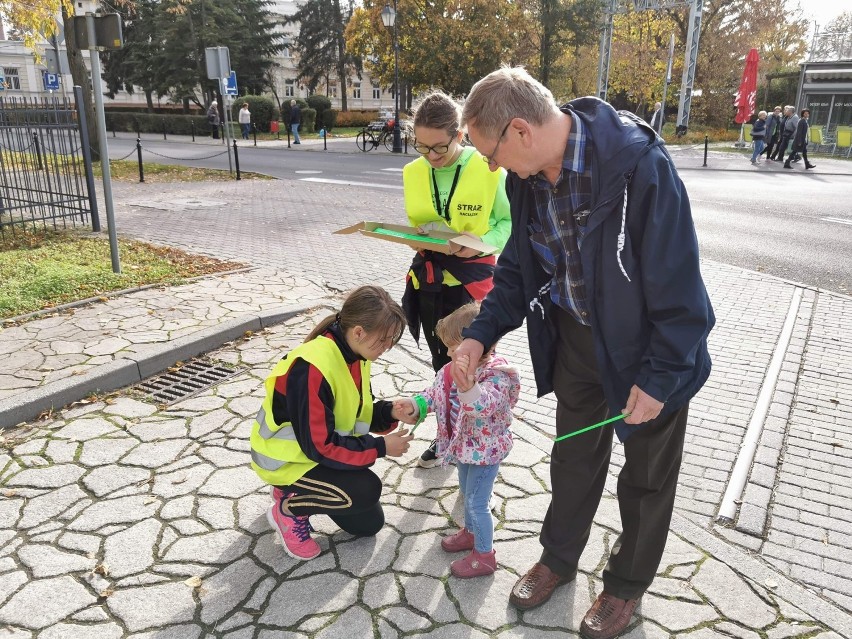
point(536, 301)
point(621, 235)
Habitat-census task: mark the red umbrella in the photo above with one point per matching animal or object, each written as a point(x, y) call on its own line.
point(747, 93)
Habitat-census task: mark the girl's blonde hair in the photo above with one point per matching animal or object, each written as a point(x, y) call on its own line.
point(449, 329)
point(369, 307)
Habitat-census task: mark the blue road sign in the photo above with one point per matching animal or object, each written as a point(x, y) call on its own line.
point(230, 84)
point(51, 81)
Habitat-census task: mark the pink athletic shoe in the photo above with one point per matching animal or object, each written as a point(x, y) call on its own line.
point(462, 540)
point(295, 533)
point(476, 564)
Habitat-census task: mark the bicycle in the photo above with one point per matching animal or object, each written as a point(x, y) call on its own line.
point(374, 134)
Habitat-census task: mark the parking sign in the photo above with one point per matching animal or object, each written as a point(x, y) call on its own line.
point(51, 81)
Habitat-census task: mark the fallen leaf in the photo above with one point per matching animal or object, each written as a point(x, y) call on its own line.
point(193, 582)
point(770, 583)
point(179, 480)
point(149, 500)
point(108, 592)
point(101, 569)
point(9, 492)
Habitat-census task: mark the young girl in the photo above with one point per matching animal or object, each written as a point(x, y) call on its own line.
point(473, 431)
point(449, 187)
point(312, 437)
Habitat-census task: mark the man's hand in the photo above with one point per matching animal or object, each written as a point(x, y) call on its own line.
point(468, 351)
point(396, 444)
point(641, 407)
point(404, 410)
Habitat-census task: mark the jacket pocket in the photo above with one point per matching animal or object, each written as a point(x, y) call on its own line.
point(626, 356)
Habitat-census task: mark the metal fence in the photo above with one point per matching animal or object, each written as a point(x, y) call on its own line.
point(45, 176)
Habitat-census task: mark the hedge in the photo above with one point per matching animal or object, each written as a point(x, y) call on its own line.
point(262, 109)
point(154, 123)
point(360, 118)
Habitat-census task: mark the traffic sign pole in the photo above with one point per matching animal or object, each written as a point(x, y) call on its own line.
point(226, 108)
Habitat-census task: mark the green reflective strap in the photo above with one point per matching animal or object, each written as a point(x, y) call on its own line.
point(593, 426)
point(423, 407)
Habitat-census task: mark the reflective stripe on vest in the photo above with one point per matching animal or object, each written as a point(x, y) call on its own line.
point(276, 455)
point(473, 199)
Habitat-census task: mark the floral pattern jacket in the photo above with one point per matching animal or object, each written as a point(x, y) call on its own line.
point(480, 434)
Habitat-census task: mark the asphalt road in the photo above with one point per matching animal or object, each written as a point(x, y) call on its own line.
point(785, 224)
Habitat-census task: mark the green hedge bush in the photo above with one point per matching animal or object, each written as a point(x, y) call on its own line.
point(155, 123)
point(329, 119)
point(356, 118)
point(263, 110)
point(320, 104)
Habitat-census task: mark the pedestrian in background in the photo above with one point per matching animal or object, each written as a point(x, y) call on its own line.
point(295, 121)
point(245, 120)
point(449, 188)
point(213, 119)
point(773, 131)
point(656, 120)
point(758, 133)
point(319, 430)
point(602, 263)
point(787, 131)
point(800, 141)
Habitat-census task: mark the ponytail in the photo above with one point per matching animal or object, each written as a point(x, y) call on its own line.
point(369, 307)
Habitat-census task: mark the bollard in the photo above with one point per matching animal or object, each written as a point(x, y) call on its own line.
point(406, 143)
point(254, 133)
point(38, 151)
point(706, 139)
point(113, 129)
point(192, 128)
point(139, 156)
point(324, 140)
point(288, 136)
point(237, 160)
point(222, 133)
point(164, 129)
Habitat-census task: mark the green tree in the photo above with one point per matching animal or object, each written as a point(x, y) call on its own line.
point(321, 44)
point(136, 64)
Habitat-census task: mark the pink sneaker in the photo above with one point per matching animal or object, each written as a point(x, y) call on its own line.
point(278, 494)
point(462, 540)
point(295, 533)
point(476, 564)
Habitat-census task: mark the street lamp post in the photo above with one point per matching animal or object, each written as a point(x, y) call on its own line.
point(389, 20)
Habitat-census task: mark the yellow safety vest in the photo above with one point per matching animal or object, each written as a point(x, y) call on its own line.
point(470, 204)
point(275, 454)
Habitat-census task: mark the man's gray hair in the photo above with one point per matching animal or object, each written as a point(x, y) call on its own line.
point(505, 94)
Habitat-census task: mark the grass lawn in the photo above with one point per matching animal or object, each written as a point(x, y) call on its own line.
point(43, 269)
point(128, 171)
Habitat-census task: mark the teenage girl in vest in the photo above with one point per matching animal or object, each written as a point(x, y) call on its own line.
point(473, 432)
point(315, 436)
point(449, 187)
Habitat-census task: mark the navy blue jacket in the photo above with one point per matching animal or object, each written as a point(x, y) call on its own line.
point(649, 309)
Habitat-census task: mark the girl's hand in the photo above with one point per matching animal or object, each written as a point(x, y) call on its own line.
point(404, 410)
point(396, 444)
point(467, 252)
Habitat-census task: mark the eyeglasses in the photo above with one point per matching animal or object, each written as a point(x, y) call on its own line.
point(440, 149)
point(489, 159)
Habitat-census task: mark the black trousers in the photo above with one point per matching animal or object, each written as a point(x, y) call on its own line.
point(434, 307)
point(349, 497)
point(646, 484)
point(782, 147)
point(794, 152)
point(770, 145)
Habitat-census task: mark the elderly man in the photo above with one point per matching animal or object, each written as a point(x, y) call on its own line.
point(788, 130)
point(603, 265)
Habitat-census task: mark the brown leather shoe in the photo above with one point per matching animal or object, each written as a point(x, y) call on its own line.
point(536, 587)
point(608, 617)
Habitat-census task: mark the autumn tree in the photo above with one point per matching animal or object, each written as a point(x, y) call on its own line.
point(444, 44)
point(321, 44)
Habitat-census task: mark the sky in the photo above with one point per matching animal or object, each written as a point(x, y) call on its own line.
point(823, 11)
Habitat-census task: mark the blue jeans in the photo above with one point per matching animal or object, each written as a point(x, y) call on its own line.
point(759, 145)
point(476, 483)
point(246, 130)
point(295, 128)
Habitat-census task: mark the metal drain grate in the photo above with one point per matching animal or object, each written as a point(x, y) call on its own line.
point(191, 378)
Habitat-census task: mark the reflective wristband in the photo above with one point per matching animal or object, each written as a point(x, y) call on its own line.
point(423, 407)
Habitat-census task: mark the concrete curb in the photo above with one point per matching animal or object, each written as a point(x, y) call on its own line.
point(125, 371)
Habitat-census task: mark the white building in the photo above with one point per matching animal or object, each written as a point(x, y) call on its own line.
point(23, 77)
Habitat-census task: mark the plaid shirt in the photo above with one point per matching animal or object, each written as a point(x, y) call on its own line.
point(554, 230)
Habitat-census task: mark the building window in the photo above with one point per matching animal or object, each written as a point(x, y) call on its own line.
point(356, 90)
point(377, 93)
point(332, 91)
point(13, 80)
point(289, 88)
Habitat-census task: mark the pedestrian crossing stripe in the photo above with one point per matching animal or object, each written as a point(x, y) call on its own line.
point(837, 220)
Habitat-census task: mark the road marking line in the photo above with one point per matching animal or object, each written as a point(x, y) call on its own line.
point(308, 171)
point(393, 170)
point(837, 220)
point(351, 183)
